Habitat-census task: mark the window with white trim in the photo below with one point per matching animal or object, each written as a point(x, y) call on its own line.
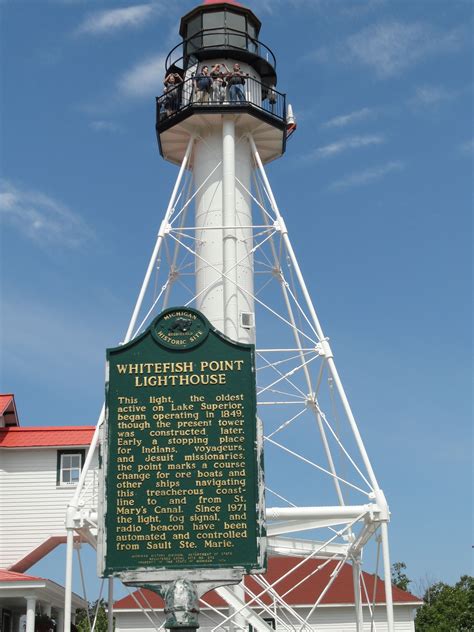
point(69, 467)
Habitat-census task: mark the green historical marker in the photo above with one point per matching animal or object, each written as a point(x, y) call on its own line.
point(182, 473)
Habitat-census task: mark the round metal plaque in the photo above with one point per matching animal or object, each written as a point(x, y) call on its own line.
point(180, 328)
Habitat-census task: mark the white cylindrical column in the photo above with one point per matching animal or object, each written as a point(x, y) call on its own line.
point(224, 265)
point(229, 268)
point(244, 241)
point(60, 620)
point(47, 609)
point(387, 577)
point(68, 578)
point(110, 606)
point(30, 614)
point(357, 595)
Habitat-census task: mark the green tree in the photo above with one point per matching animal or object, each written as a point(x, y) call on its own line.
point(82, 622)
point(399, 578)
point(447, 608)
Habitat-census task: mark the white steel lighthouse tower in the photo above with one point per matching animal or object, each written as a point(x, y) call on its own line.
point(224, 249)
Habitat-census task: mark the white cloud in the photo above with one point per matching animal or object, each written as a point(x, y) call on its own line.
point(358, 7)
point(348, 119)
point(144, 79)
point(41, 218)
point(352, 142)
point(105, 126)
point(467, 148)
point(112, 20)
point(366, 176)
point(431, 95)
point(389, 48)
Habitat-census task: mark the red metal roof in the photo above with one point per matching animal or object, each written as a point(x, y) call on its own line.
point(341, 591)
point(10, 576)
point(4, 402)
point(43, 437)
point(8, 410)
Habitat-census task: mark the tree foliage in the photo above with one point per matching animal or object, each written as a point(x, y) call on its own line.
point(399, 577)
point(82, 622)
point(447, 608)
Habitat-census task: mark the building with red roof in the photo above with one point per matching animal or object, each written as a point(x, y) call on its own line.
point(22, 595)
point(297, 585)
point(40, 467)
point(39, 471)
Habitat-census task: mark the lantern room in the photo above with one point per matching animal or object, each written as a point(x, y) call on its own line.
point(218, 28)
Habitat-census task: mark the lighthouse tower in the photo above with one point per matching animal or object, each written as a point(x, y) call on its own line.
point(223, 248)
point(224, 101)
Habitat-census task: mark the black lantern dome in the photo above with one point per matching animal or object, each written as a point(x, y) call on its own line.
point(216, 29)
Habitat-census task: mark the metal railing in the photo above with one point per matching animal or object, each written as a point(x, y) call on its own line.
point(222, 95)
point(222, 38)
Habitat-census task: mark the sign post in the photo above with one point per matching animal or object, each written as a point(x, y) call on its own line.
point(182, 491)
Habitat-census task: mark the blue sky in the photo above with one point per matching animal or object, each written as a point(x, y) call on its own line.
point(375, 188)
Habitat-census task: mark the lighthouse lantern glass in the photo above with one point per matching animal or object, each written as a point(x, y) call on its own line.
point(214, 29)
point(194, 28)
point(213, 22)
point(236, 22)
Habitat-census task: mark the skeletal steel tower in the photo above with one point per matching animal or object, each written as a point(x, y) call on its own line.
point(223, 248)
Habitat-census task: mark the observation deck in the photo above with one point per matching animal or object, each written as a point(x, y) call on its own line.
point(267, 108)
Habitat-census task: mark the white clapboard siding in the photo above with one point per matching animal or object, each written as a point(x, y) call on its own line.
point(342, 619)
point(326, 619)
point(138, 622)
point(32, 506)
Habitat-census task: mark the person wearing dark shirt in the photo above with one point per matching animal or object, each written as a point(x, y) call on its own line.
point(203, 83)
point(236, 81)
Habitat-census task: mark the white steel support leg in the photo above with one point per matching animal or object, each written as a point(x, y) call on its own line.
point(173, 271)
point(159, 240)
point(380, 499)
point(297, 338)
point(231, 307)
point(387, 576)
point(110, 606)
point(317, 325)
point(30, 614)
point(68, 579)
point(239, 621)
point(357, 595)
point(72, 507)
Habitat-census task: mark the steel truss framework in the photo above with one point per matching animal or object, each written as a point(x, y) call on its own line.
point(319, 480)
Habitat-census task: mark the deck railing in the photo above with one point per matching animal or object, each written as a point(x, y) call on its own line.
point(220, 95)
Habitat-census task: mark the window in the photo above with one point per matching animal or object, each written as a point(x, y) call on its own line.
point(69, 466)
point(194, 27)
point(212, 21)
point(236, 22)
point(252, 39)
point(247, 320)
